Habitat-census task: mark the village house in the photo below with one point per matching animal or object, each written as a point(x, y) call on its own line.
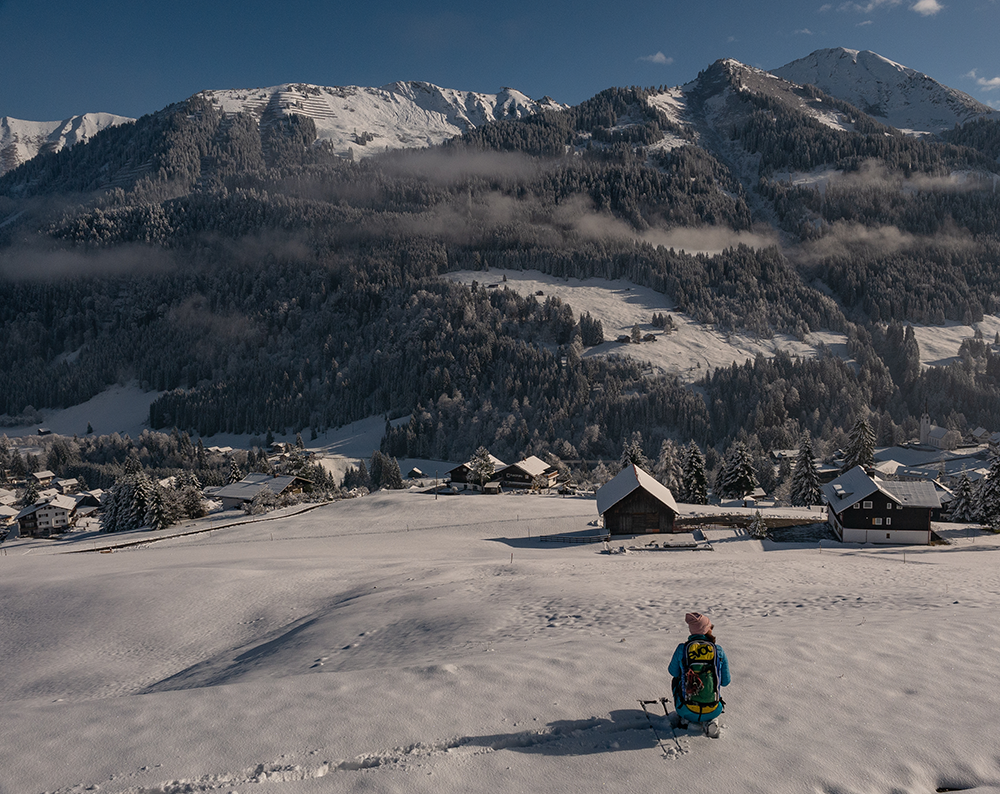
point(43, 478)
point(523, 473)
point(44, 519)
point(235, 495)
point(633, 502)
point(462, 473)
point(868, 510)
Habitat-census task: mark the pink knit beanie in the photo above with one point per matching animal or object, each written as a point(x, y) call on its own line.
point(698, 623)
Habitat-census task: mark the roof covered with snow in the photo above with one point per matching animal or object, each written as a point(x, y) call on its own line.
point(854, 485)
point(532, 466)
point(252, 484)
point(626, 481)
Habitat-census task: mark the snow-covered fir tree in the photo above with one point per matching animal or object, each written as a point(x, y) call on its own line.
point(737, 477)
point(481, 467)
point(158, 512)
point(694, 482)
point(987, 495)
point(668, 468)
point(235, 473)
point(805, 489)
point(963, 508)
point(632, 453)
point(757, 526)
point(600, 475)
point(860, 446)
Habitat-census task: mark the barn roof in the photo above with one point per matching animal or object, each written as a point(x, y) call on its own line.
point(532, 466)
point(627, 480)
point(252, 484)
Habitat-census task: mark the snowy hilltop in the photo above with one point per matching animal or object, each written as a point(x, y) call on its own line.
point(22, 140)
point(401, 115)
point(895, 94)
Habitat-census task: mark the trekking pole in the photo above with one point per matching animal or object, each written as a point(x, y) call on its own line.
point(666, 713)
point(652, 727)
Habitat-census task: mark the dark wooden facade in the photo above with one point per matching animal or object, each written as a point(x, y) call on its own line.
point(881, 511)
point(637, 513)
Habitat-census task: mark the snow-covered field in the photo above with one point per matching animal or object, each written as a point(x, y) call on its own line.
point(689, 352)
point(402, 643)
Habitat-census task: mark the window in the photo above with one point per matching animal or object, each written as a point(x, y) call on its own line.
point(877, 522)
point(867, 505)
point(888, 521)
point(888, 505)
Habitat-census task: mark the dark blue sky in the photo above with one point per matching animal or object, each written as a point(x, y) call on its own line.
point(133, 57)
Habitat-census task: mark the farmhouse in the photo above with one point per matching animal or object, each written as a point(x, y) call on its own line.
point(633, 502)
point(463, 472)
point(236, 494)
point(867, 510)
point(523, 473)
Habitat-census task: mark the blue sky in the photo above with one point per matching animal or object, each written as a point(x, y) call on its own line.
point(133, 57)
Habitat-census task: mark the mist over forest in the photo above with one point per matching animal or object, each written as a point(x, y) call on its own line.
point(264, 282)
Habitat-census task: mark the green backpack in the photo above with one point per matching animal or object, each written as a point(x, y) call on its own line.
point(697, 687)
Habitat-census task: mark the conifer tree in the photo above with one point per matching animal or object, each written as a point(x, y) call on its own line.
point(805, 489)
point(962, 508)
point(694, 485)
point(376, 470)
point(860, 446)
point(158, 511)
point(668, 467)
point(987, 495)
point(481, 466)
point(757, 527)
point(392, 477)
point(737, 477)
point(632, 453)
point(235, 473)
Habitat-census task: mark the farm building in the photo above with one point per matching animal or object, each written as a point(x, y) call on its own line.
point(236, 494)
point(523, 473)
point(868, 510)
point(633, 502)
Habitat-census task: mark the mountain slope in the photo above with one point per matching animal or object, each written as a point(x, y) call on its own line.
point(22, 140)
point(897, 95)
point(401, 115)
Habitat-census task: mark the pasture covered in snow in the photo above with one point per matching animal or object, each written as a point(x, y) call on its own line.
point(402, 643)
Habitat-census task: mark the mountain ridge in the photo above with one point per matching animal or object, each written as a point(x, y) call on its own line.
point(22, 140)
point(897, 95)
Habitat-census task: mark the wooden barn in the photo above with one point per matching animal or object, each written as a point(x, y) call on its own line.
point(634, 503)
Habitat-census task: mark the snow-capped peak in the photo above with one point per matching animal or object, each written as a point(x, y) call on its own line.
point(368, 120)
point(21, 140)
point(895, 94)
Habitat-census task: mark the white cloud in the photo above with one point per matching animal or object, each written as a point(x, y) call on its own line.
point(864, 24)
point(927, 8)
point(803, 32)
point(824, 8)
point(658, 58)
point(988, 84)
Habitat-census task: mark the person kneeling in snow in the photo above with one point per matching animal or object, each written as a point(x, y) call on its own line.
point(699, 668)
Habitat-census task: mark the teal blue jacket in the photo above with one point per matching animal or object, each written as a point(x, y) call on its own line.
point(721, 671)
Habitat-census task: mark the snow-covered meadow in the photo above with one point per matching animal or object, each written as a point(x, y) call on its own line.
point(400, 642)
